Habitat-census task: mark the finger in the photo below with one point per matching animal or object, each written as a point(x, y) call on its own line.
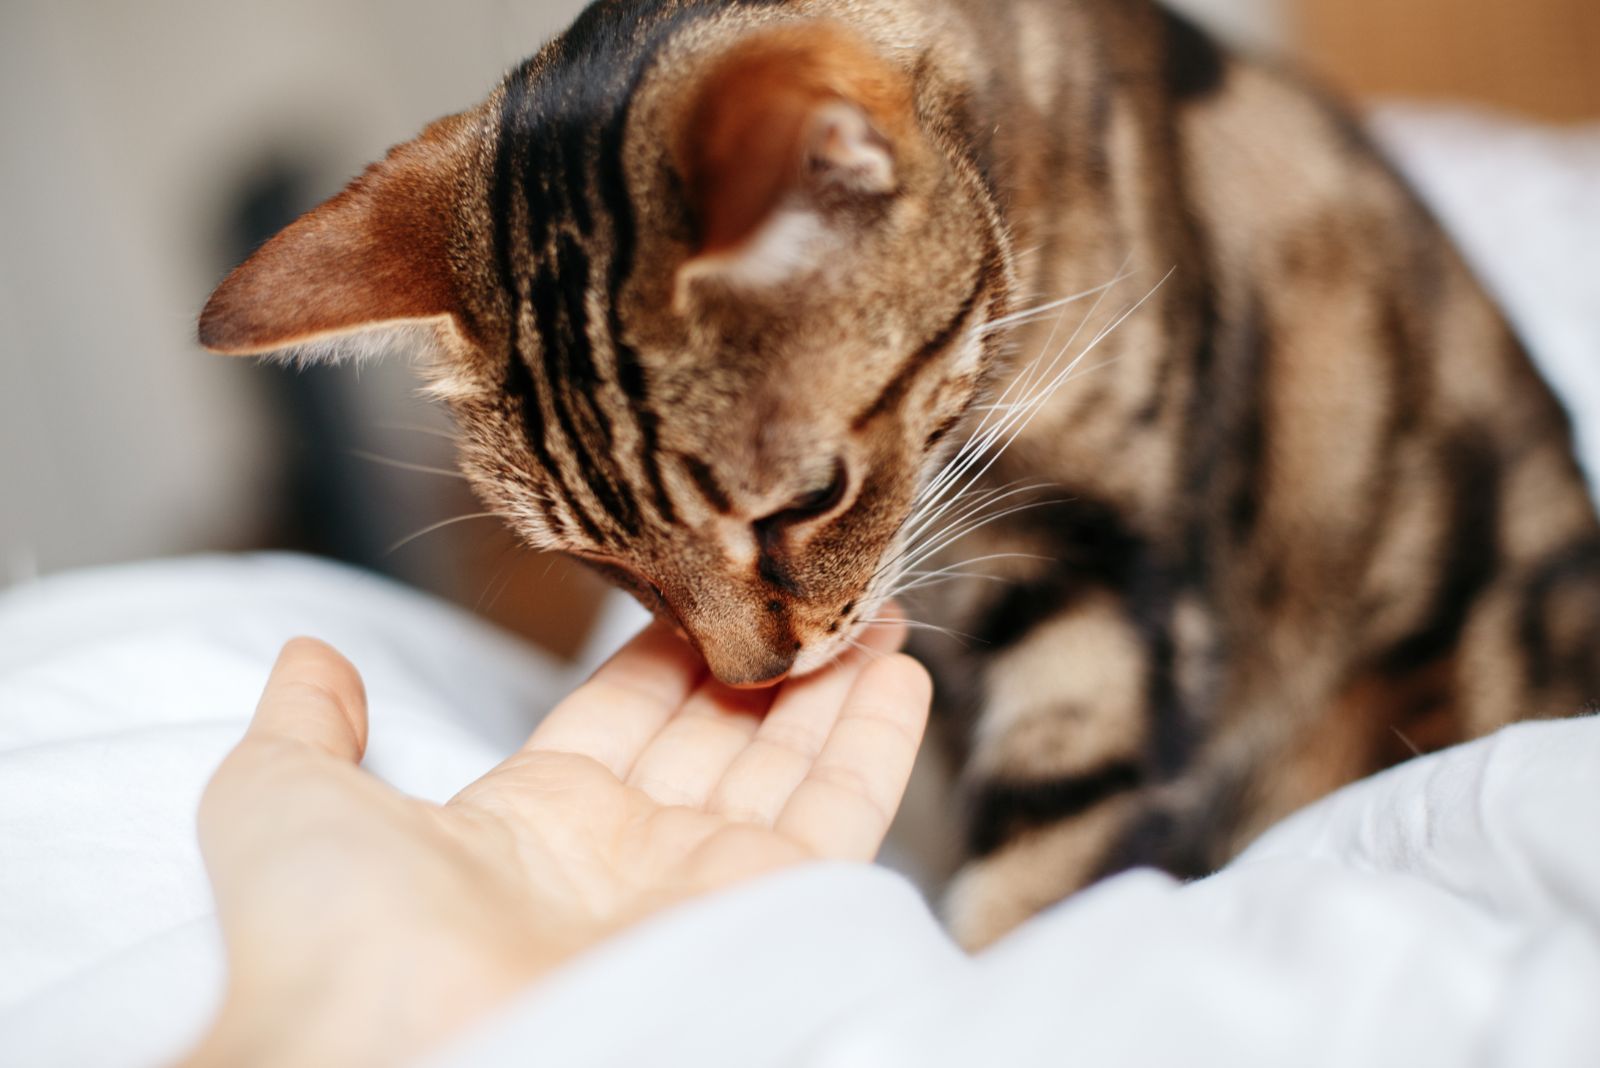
point(313, 707)
point(314, 697)
point(613, 716)
point(844, 806)
point(684, 762)
point(761, 779)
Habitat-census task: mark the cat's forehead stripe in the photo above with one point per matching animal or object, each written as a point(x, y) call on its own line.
point(917, 361)
point(572, 237)
point(520, 383)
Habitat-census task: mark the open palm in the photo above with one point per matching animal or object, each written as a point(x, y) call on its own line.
point(650, 784)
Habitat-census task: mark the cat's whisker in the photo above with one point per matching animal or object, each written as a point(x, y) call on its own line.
point(993, 498)
point(1025, 378)
point(1009, 428)
point(915, 554)
point(914, 589)
point(866, 650)
point(985, 559)
point(1036, 404)
point(432, 431)
point(1038, 311)
point(914, 624)
point(971, 453)
point(951, 478)
point(908, 589)
point(406, 465)
point(510, 554)
point(925, 514)
point(1036, 371)
point(442, 524)
point(953, 487)
point(975, 526)
point(917, 529)
point(916, 525)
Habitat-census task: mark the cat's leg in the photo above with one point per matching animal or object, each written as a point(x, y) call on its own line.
point(1531, 647)
point(1078, 723)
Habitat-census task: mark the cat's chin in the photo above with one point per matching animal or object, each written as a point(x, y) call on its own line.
point(814, 658)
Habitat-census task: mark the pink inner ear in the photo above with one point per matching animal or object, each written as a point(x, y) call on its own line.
point(376, 253)
point(779, 100)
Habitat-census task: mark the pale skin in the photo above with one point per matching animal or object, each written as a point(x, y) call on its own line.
point(365, 927)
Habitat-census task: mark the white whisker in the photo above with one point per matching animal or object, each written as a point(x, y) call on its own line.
point(951, 507)
point(403, 542)
point(973, 527)
point(993, 498)
point(1039, 310)
point(918, 625)
point(959, 570)
point(405, 465)
point(875, 654)
point(433, 431)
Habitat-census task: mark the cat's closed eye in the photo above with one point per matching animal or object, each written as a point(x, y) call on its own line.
point(812, 505)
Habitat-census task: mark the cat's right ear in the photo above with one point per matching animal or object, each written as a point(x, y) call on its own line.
point(375, 257)
point(792, 123)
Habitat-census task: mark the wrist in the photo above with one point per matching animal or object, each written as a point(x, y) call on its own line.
point(361, 1006)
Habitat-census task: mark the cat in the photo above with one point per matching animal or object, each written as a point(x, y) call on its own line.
point(1128, 353)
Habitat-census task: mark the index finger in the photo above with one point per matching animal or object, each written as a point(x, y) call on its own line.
point(613, 716)
point(845, 805)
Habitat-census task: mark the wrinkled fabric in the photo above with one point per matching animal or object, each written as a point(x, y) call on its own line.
point(120, 691)
point(1445, 912)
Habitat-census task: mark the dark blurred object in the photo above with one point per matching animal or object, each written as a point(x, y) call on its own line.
point(1537, 57)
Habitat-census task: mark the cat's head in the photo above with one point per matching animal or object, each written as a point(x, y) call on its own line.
point(706, 309)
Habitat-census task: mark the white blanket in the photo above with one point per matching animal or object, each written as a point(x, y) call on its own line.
point(1447, 912)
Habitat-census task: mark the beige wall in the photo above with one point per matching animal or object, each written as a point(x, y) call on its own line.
point(123, 126)
point(1536, 57)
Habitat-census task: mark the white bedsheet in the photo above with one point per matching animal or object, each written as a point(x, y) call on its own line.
point(119, 692)
point(1444, 913)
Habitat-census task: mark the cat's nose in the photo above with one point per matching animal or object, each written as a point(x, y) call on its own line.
point(749, 669)
point(746, 642)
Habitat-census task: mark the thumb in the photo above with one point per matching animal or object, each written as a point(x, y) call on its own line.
point(314, 707)
point(314, 697)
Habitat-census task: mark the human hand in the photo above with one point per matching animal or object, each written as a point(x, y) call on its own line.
point(363, 926)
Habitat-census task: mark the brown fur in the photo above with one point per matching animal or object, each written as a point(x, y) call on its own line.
point(1306, 509)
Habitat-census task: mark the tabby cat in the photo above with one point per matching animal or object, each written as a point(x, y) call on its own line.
point(1127, 352)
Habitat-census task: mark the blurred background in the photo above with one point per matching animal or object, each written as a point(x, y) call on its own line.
point(149, 147)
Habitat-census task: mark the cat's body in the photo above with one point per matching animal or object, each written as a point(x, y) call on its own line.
point(720, 289)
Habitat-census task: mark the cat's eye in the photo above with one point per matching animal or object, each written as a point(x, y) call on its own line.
point(818, 502)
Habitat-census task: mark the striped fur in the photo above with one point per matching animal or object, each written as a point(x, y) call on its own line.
point(1120, 354)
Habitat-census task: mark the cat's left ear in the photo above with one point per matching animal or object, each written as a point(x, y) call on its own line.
point(376, 256)
point(784, 134)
